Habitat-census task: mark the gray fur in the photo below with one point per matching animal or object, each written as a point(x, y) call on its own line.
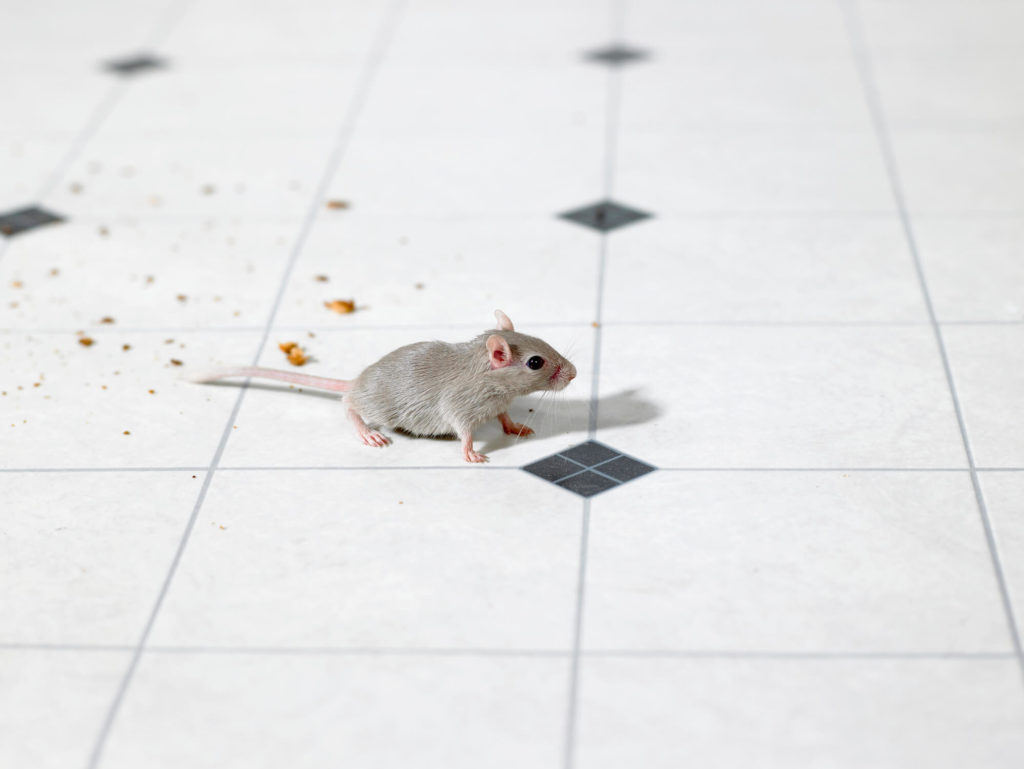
point(439, 388)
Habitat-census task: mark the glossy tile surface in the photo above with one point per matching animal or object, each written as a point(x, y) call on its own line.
point(775, 520)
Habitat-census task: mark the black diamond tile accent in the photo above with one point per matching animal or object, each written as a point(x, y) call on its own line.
point(605, 216)
point(588, 468)
point(553, 468)
point(25, 219)
point(129, 65)
point(590, 453)
point(624, 469)
point(615, 55)
point(587, 484)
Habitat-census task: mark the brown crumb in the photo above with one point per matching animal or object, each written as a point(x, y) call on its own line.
point(106, 319)
point(321, 278)
point(103, 387)
point(6, 229)
point(127, 433)
point(150, 279)
point(104, 232)
point(208, 189)
point(341, 306)
point(311, 335)
point(418, 286)
point(595, 324)
point(176, 362)
point(85, 341)
point(54, 272)
point(126, 347)
point(17, 284)
point(152, 392)
point(75, 188)
point(337, 204)
point(169, 341)
point(296, 355)
point(36, 384)
point(223, 528)
point(182, 298)
point(531, 411)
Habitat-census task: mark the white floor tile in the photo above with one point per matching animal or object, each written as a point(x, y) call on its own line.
point(775, 270)
point(1004, 499)
point(423, 270)
point(312, 711)
point(988, 368)
point(789, 713)
point(52, 704)
point(974, 266)
point(87, 553)
point(67, 405)
point(791, 397)
point(792, 562)
point(751, 171)
point(383, 560)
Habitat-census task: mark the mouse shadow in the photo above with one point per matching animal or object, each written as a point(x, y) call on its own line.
point(555, 416)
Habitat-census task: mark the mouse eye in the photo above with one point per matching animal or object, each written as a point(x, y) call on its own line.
point(535, 362)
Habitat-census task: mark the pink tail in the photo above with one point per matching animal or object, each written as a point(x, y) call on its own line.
point(322, 383)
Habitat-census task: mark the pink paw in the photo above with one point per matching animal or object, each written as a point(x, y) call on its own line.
point(474, 456)
point(514, 428)
point(375, 439)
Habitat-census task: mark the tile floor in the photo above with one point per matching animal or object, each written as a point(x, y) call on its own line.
point(812, 327)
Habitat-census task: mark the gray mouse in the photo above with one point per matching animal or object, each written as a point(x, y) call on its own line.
point(439, 388)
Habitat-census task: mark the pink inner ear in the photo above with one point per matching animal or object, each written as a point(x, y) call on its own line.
point(500, 352)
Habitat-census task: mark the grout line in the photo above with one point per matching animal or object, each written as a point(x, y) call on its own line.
point(100, 330)
point(861, 56)
point(571, 717)
point(366, 651)
point(368, 71)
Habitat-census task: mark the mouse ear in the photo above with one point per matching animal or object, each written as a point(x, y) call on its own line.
point(499, 351)
point(503, 321)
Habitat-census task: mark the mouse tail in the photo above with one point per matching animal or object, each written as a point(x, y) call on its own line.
point(322, 383)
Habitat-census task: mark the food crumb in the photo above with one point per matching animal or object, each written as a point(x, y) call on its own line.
point(182, 298)
point(152, 392)
point(106, 319)
point(149, 279)
point(208, 189)
point(85, 341)
point(595, 324)
point(321, 278)
point(418, 286)
point(36, 384)
point(337, 204)
point(296, 355)
point(176, 362)
point(341, 306)
point(104, 232)
point(103, 387)
point(169, 341)
point(126, 432)
point(17, 284)
point(54, 272)
point(126, 347)
point(75, 188)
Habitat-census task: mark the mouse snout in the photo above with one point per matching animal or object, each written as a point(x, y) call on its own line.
point(570, 371)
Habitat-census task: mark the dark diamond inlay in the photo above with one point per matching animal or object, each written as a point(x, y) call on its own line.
point(590, 453)
point(588, 468)
point(605, 216)
point(587, 484)
point(24, 219)
point(129, 65)
point(553, 468)
point(616, 54)
point(624, 469)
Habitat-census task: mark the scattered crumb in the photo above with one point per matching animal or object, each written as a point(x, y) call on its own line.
point(149, 279)
point(54, 272)
point(337, 204)
point(17, 284)
point(13, 305)
point(36, 384)
point(152, 392)
point(126, 347)
point(296, 355)
point(182, 298)
point(103, 387)
point(531, 411)
point(126, 432)
point(595, 324)
point(341, 306)
point(193, 476)
point(223, 528)
point(208, 189)
point(321, 278)
point(85, 341)
point(236, 313)
point(155, 200)
point(419, 286)
point(104, 231)
point(176, 362)
point(106, 319)
point(311, 335)
point(169, 341)
point(75, 188)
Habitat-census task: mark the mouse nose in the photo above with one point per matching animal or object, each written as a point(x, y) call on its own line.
point(572, 372)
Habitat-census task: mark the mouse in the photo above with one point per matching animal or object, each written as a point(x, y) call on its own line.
point(433, 389)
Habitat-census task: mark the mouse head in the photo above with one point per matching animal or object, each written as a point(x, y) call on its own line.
point(529, 363)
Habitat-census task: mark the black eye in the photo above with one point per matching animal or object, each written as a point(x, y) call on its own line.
point(535, 362)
